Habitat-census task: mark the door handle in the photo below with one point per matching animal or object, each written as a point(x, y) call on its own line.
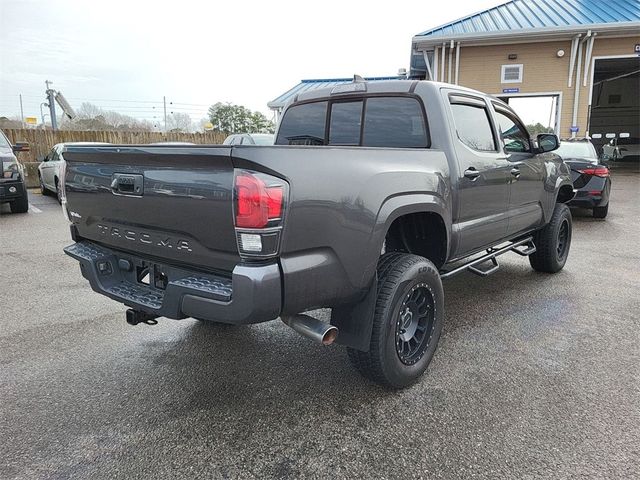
point(127, 184)
point(515, 171)
point(471, 173)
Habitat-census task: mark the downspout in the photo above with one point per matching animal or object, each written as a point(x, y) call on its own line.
point(572, 62)
point(576, 96)
point(428, 64)
point(450, 61)
point(435, 64)
point(444, 49)
point(457, 61)
point(587, 66)
point(587, 58)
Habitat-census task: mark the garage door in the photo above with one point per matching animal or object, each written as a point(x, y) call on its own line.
point(615, 107)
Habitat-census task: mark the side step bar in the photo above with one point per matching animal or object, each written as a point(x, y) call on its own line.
point(524, 247)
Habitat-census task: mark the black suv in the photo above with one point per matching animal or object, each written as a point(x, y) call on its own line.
point(13, 189)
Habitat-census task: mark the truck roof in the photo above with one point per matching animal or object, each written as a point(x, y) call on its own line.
point(384, 86)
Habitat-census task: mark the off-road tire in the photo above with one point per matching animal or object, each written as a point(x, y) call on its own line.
point(553, 242)
point(21, 204)
point(400, 275)
point(601, 212)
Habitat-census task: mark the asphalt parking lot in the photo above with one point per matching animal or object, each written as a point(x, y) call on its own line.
point(535, 376)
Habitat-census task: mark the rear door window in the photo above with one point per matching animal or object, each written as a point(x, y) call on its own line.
point(344, 126)
point(303, 124)
point(473, 126)
point(394, 122)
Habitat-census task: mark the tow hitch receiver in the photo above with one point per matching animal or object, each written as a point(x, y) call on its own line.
point(134, 317)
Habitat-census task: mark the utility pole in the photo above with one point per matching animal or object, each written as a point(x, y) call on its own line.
point(164, 101)
point(21, 112)
point(52, 105)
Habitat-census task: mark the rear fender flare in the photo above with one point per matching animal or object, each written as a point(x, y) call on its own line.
point(398, 206)
point(355, 321)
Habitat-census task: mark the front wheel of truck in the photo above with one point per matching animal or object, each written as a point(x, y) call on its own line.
point(553, 242)
point(407, 321)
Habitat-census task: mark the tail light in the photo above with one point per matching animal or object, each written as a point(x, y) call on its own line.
point(259, 204)
point(596, 171)
point(62, 179)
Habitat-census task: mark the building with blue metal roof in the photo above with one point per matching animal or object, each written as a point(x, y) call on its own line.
point(583, 54)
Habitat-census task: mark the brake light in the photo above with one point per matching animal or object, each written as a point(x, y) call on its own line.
point(597, 171)
point(259, 203)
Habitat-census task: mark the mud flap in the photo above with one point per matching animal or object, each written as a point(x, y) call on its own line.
point(355, 321)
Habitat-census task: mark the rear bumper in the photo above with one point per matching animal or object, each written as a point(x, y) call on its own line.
point(252, 294)
point(588, 202)
point(593, 194)
point(6, 195)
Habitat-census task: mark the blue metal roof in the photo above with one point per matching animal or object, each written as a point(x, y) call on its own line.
point(540, 14)
point(315, 84)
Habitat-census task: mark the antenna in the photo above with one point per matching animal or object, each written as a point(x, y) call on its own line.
point(358, 79)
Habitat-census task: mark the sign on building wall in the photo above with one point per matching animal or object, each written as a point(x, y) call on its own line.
point(510, 90)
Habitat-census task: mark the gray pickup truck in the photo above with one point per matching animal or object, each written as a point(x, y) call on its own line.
point(372, 194)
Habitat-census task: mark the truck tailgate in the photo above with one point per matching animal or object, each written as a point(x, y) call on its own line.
point(170, 202)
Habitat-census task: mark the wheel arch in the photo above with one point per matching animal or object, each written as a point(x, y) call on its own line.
point(426, 213)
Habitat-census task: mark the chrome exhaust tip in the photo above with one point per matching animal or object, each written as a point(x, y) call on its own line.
point(316, 330)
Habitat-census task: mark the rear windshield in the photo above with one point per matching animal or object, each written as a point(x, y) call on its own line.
point(577, 150)
point(370, 122)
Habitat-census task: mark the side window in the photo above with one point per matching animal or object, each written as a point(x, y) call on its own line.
point(394, 122)
point(4, 141)
point(303, 125)
point(344, 126)
point(53, 155)
point(515, 138)
point(473, 127)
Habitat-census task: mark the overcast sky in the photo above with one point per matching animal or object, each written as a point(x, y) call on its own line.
point(121, 54)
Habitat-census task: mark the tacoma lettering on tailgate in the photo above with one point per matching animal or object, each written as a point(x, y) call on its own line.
point(145, 238)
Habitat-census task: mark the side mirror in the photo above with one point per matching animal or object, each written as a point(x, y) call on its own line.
point(20, 147)
point(548, 142)
point(41, 158)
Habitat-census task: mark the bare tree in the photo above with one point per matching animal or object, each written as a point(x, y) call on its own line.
point(92, 117)
point(179, 122)
point(13, 122)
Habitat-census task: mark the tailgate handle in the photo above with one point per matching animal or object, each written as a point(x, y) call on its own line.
point(127, 184)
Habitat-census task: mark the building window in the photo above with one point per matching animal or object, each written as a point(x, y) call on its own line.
point(511, 73)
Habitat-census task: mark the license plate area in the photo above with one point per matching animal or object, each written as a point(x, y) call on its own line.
point(151, 274)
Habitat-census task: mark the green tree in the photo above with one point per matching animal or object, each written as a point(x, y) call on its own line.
point(535, 129)
point(229, 118)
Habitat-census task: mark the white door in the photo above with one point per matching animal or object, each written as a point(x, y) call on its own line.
point(50, 168)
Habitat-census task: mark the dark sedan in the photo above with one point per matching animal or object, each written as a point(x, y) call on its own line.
point(590, 178)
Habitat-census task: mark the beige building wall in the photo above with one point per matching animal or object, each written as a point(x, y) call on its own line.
point(543, 71)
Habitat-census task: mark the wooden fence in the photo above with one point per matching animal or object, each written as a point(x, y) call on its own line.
point(41, 141)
